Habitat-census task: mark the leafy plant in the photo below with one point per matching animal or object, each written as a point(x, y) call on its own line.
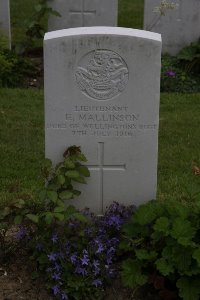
point(36, 25)
point(162, 240)
point(79, 257)
point(15, 70)
point(190, 56)
point(175, 78)
point(58, 189)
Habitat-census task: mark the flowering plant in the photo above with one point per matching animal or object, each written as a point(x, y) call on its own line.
point(76, 250)
point(79, 257)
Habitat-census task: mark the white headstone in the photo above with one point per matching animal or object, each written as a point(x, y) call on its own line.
point(83, 13)
point(5, 20)
point(102, 88)
point(179, 26)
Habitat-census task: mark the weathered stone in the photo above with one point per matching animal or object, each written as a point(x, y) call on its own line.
point(82, 13)
point(5, 20)
point(102, 88)
point(178, 26)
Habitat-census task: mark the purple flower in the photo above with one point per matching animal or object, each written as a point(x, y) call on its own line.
point(96, 263)
point(52, 256)
point(64, 296)
point(56, 289)
point(115, 221)
point(38, 247)
point(22, 233)
point(114, 241)
point(96, 271)
point(170, 73)
point(57, 267)
point(73, 258)
point(56, 276)
point(97, 282)
point(109, 260)
point(85, 260)
point(54, 238)
point(88, 232)
point(81, 271)
point(111, 251)
point(100, 249)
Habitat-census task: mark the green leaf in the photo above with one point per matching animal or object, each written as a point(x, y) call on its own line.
point(59, 216)
point(188, 288)
point(61, 179)
point(38, 7)
point(164, 267)
point(133, 230)
point(43, 195)
point(80, 180)
point(55, 13)
point(33, 218)
point(84, 171)
point(59, 209)
point(19, 204)
point(71, 210)
point(81, 157)
point(162, 225)
point(80, 217)
point(147, 213)
point(47, 164)
point(18, 219)
point(196, 255)
point(48, 217)
point(6, 212)
point(132, 274)
point(68, 163)
point(72, 174)
point(66, 195)
point(76, 193)
point(52, 195)
point(182, 228)
point(181, 258)
point(60, 203)
point(143, 254)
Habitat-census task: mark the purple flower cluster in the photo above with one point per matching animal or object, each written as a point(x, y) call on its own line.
point(22, 233)
point(170, 73)
point(86, 251)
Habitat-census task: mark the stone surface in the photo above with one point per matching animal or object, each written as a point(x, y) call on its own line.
point(5, 20)
point(83, 13)
point(178, 27)
point(102, 88)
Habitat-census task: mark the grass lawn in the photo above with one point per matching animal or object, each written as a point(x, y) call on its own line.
point(22, 144)
point(130, 15)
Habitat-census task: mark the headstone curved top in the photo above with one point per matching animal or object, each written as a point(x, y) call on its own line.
point(83, 13)
point(5, 20)
point(179, 26)
point(102, 87)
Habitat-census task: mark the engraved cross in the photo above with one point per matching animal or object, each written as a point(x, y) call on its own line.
point(101, 167)
point(83, 12)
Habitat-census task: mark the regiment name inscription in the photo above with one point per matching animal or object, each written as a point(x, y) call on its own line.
point(102, 121)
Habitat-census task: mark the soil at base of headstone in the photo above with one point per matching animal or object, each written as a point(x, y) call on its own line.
point(16, 283)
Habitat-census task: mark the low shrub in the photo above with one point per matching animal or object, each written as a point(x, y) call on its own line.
point(176, 78)
point(163, 245)
point(15, 70)
point(75, 251)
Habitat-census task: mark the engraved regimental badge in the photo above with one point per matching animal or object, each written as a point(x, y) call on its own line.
point(102, 74)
